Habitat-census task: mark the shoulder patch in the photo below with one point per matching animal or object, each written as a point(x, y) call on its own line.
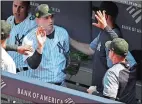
point(32, 17)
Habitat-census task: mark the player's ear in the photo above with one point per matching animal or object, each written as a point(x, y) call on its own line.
point(114, 55)
point(106, 16)
point(111, 54)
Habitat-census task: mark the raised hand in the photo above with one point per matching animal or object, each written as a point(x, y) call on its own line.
point(41, 36)
point(102, 23)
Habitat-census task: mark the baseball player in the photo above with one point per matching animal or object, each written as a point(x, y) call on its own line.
point(7, 63)
point(50, 44)
point(120, 80)
point(21, 23)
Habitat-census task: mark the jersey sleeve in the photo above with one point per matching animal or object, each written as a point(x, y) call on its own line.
point(12, 67)
point(113, 33)
point(111, 84)
point(94, 43)
point(10, 19)
point(66, 41)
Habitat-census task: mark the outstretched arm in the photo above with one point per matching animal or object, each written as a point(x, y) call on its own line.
point(83, 47)
point(102, 24)
point(19, 49)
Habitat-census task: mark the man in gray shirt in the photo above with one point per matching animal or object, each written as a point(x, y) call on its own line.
point(120, 80)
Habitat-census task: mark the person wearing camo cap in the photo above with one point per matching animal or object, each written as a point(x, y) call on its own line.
point(7, 63)
point(50, 44)
point(119, 81)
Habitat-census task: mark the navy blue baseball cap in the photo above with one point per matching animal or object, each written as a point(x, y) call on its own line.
point(109, 6)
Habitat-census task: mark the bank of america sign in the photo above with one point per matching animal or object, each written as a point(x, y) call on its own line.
point(135, 13)
point(3, 84)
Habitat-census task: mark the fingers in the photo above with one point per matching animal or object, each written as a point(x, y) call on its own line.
point(25, 49)
point(98, 18)
point(95, 24)
point(44, 33)
point(89, 91)
point(26, 53)
point(99, 14)
point(39, 30)
point(28, 48)
point(93, 15)
point(104, 12)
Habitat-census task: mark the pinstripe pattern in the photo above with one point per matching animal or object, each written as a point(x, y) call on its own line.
point(6, 62)
point(17, 33)
point(53, 60)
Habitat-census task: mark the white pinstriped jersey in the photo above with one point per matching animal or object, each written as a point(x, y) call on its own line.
point(7, 63)
point(53, 60)
point(16, 37)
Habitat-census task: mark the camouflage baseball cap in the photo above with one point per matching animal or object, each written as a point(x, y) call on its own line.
point(5, 29)
point(43, 10)
point(118, 45)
